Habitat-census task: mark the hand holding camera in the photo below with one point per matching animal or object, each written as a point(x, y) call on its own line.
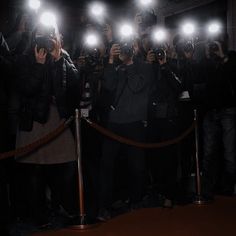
point(40, 55)
point(114, 52)
point(151, 57)
point(157, 54)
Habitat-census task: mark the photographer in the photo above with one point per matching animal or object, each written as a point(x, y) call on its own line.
point(91, 64)
point(163, 126)
point(48, 87)
point(189, 71)
point(219, 121)
point(5, 165)
point(18, 38)
point(130, 84)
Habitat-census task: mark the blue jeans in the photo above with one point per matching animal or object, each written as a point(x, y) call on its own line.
point(219, 127)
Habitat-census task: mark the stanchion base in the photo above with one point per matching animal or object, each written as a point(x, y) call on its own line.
point(82, 223)
point(83, 227)
point(199, 200)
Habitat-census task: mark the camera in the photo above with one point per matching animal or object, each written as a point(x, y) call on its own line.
point(126, 48)
point(160, 53)
point(92, 57)
point(44, 40)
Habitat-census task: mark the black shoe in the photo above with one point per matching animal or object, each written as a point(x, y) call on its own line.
point(104, 215)
point(167, 203)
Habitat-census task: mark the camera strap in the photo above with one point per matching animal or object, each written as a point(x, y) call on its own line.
point(116, 101)
point(64, 77)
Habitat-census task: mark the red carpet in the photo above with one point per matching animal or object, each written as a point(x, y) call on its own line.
point(216, 219)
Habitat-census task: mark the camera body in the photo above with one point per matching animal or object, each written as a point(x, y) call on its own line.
point(159, 53)
point(126, 48)
point(92, 56)
point(44, 42)
point(45, 39)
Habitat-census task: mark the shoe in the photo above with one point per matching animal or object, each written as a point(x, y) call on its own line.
point(167, 203)
point(104, 215)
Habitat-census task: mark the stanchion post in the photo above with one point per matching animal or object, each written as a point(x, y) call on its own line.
point(198, 198)
point(82, 221)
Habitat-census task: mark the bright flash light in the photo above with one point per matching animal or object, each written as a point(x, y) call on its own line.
point(159, 35)
point(91, 40)
point(126, 30)
point(34, 4)
point(214, 28)
point(97, 9)
point(188, 28)
point(145, 2)
point(48, 19)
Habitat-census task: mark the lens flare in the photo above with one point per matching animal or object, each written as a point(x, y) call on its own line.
point(91, 40)
point(189, 28)
point(126, 30)
point(214, 28)
point(34, 4)
point(159, 35)
point(48, 19)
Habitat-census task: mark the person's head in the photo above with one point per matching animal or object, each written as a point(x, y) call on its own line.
point(184, 48)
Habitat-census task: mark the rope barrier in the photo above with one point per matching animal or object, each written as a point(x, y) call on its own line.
point(127, 141)
point(55, 133)
point(38, 143)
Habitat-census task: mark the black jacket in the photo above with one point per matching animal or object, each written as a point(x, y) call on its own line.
point(220, 84)
point(130, 87)
point(165, 93)
point(38, 84)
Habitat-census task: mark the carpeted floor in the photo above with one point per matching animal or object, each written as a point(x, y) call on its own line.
point(216, 219)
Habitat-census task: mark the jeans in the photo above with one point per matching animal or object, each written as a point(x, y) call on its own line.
point(219, 127)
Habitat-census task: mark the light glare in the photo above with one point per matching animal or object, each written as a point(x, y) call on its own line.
point(91, 40)
point(159, 35)
point(48, 19)
point(34, 4)
point(97, 9)
point(145, 2)
point(214, 28)
point(189, 28)
point(126, 30)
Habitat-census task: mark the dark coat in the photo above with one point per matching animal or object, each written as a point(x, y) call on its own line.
point(165, 94)
point(37, 84)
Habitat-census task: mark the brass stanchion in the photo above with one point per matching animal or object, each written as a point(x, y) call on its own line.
point(198, 198)
point(81, 222)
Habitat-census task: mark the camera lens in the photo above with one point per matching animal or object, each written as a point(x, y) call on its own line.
point(160, 53)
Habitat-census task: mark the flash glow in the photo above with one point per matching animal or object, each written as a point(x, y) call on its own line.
point(34, 4)
point(48, 19)
point(159, 35)
point(126, 30)
point(91, 40)
point(188, 28)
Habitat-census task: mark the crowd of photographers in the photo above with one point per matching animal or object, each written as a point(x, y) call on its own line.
point(139, 89)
